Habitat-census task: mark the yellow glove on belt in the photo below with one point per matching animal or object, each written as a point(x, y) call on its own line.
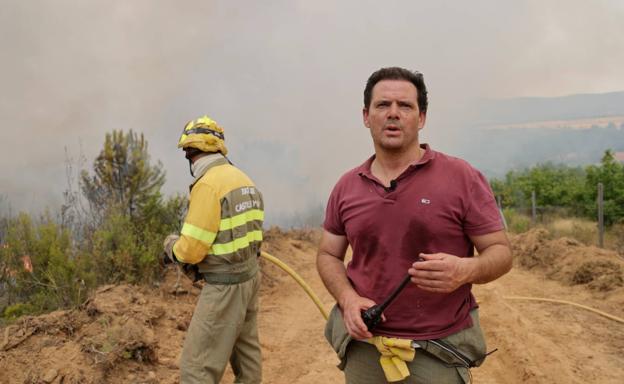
point(394, 354)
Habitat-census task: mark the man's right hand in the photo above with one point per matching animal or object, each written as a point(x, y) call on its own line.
point(331, 268)
point(352, 306)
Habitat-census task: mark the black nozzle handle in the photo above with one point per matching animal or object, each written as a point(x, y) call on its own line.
point(372, 316)
point(395, 293)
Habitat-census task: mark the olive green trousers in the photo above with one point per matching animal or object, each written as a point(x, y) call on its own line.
point(362, 367)
point(223, 328)
point(431, 365)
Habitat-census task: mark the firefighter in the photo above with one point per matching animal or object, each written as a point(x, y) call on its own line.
point(220, 239)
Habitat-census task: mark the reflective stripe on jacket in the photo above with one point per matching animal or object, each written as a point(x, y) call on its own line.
point(222, 231)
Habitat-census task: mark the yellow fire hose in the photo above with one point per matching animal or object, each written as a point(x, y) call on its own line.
point(608, 316)
point(298, 279)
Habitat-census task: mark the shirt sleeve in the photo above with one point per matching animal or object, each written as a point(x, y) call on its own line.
point(482, 214)
point(200, 227)
point(333, 219)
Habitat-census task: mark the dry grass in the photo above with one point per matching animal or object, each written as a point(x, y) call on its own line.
point(583, 230)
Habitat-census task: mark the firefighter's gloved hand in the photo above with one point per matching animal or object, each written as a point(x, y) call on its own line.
point(192, 272)
point(168, 256)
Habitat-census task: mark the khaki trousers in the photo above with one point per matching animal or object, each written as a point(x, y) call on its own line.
point(223, 327)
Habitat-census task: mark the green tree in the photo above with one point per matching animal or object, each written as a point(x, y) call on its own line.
point(610, 173)
point(123, 176)
point(554, 186)
point(132, 217)
point(563, 186)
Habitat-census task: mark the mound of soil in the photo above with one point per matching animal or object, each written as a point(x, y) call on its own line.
point(111, 334)
point(569, 261)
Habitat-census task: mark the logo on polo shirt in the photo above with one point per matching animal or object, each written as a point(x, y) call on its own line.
point(425, 201)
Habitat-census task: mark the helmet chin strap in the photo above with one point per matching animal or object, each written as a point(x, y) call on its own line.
point(191, 167)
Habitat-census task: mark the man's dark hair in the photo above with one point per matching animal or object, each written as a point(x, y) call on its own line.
point(397, 73)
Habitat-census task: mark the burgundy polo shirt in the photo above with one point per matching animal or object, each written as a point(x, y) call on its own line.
point(436, 204)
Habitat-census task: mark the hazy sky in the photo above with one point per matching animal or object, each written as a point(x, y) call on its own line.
point(284, 78)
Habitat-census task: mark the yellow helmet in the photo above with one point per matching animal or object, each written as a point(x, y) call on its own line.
point(203, 134)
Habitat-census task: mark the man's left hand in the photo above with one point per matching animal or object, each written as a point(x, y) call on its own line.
point(440, 272)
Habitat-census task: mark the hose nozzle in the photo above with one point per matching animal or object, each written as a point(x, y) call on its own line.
point(372, 316)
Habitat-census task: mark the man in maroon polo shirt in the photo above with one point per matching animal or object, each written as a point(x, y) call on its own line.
point(409, 209)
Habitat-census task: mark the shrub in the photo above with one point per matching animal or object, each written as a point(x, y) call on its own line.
point(19, 309)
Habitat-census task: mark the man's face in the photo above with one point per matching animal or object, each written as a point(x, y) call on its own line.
point(393, 116)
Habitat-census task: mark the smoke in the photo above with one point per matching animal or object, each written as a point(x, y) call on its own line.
point(284, 78)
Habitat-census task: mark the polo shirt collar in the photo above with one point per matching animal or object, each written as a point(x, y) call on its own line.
point(365, 168)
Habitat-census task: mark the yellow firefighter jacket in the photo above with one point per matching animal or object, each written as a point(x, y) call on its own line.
point(222, 231)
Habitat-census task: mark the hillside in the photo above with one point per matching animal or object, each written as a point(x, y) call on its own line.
point(531, 109)
point(127, 334)
point(517, 133)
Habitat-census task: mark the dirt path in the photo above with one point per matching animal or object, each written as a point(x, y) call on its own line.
point(544, 342)
point(130, 335)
